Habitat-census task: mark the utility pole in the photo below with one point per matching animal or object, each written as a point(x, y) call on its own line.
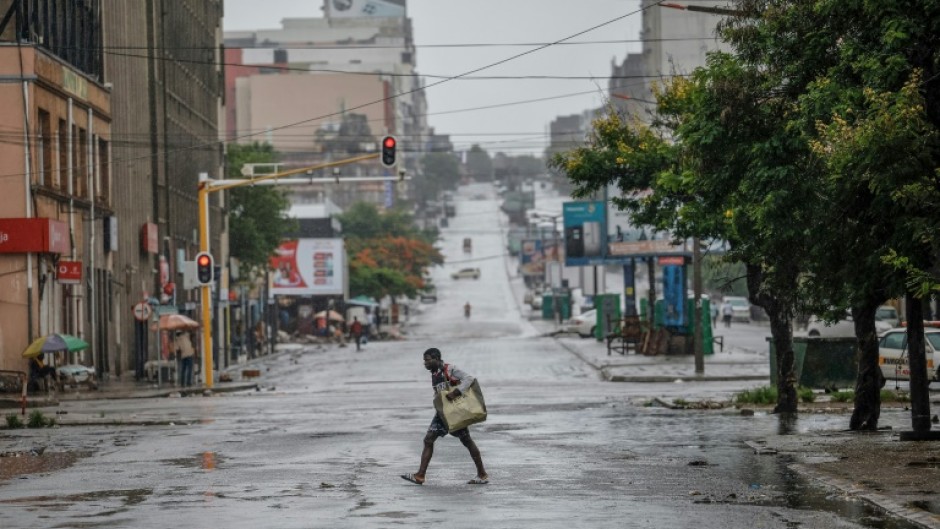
point(697, 334)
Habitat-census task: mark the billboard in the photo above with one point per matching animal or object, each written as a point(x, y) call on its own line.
point(309, 267)
point(531, 258)
point(365, 8)
point(585, 233)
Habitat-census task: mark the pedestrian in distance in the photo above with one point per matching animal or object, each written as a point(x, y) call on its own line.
point(713, 309)
point(726, 313)
point(355, 331)
point(444, 376)
point(466, 310)
point(184, 347)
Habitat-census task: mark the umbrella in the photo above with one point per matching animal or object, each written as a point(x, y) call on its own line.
point(54, 342)
point(177, 322)
point(331, 315)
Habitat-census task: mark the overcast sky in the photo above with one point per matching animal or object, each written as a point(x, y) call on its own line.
point(522, 127)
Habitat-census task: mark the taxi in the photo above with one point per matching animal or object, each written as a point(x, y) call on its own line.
point(893, 357)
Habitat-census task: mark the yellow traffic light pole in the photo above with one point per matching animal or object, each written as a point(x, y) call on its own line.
point(207, 186)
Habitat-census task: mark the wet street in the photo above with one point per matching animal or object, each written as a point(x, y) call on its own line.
point(323, 443)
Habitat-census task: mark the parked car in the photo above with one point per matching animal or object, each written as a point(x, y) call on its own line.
point(466, 273)
point(740, 308)
point(888, 314)
point(583, 325)
point(894, 359)
point(844, 328)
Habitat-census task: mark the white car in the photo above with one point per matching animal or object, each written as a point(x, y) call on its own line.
point(888, 314)
point(740, 308)
point(893, 354)
point(844, 328)
point(583, 325)
point(466, 273)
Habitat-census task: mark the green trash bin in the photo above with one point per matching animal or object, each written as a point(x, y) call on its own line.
point(548, 306)
point(820, 363)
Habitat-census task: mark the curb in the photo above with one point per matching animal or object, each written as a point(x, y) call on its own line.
point(892, 507)
point(683, 378)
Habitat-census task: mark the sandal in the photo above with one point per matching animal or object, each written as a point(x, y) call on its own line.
point(479, 480)
point(413, 478)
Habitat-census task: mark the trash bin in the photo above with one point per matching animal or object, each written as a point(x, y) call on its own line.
point(608, 310)
point(548, 307)
point(820, 362)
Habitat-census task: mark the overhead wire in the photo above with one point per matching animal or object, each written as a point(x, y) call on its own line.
point(392, 96)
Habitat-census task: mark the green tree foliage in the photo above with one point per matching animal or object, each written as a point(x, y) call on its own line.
point(257, 218)
point(439, 171)
point(388, 254)
point(479, 164)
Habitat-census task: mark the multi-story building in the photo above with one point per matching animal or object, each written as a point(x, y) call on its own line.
point(675, 42)
point(112, 112)
point(327, 88)
point(55, 178)
point(163, 62)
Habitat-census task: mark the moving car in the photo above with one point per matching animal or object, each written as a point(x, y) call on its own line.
point(893, 354)
point(429, 295)
point(740, 308)
point(844, 328)
point(583, 325)
point(466, 273)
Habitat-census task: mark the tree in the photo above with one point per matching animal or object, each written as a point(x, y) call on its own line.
point(439, 171)
point(479, 164)
point(388, 255)
point(863, 76)
point(257, 216)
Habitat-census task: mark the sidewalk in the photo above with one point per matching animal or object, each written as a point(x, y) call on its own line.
point(132, 389)
point(740, 360)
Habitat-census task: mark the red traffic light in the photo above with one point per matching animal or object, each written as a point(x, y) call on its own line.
point(204, 260)
point(389, 156)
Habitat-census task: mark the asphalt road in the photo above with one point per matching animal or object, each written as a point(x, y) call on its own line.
point(324, 447)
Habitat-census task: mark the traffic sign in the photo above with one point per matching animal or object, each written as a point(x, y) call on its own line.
point(142, 311)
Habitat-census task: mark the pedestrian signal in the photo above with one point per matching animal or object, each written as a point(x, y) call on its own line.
point(204, 266)
point(389, 156)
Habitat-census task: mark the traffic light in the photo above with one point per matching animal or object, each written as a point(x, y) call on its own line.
point(389, 157)
point(204, 266)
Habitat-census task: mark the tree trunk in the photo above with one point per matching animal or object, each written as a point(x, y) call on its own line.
point(781, 331)
point(920, 398)
point(651, 267)
point(870, 380)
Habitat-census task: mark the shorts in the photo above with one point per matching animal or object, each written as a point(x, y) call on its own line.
point(439, 429)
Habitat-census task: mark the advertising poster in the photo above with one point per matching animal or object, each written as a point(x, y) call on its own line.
point(308, 267)
point(531, 258)
point(674, 293)
point(585, 233)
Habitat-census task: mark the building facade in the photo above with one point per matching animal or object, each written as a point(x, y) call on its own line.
point(113, 111)
point(56, 179)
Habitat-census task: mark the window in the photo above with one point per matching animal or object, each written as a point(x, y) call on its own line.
point(80, 170)
point(44, 149)
point(103, 171)
point(933, 338)
point(62, 146)
point(894, 340)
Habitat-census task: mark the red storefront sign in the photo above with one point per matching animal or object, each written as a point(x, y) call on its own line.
point(69, 272)
point(37, 235)
point(149, 240)
point(675, 260)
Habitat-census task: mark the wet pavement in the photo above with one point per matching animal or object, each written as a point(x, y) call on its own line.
point(323, 438)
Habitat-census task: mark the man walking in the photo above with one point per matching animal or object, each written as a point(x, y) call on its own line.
point(444, 376)
point(356, 331)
